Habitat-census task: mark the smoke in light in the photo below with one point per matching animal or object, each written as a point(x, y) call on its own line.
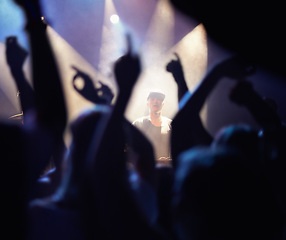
point(193, 53)
point(160, 36)
point(158, 49)
point(66, 57)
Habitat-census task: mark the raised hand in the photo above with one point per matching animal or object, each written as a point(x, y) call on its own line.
point(102, 94)
point(234, 68)
point(175, 67)
point(105, 93)
point(127, 70)
point(242, 93)
point(15, 54)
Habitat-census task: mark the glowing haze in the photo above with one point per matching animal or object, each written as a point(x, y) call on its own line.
point(92, 34)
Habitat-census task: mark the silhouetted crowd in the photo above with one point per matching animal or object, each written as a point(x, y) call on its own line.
point(107, 185)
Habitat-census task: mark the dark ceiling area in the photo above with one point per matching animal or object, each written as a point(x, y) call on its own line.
point(253, 29)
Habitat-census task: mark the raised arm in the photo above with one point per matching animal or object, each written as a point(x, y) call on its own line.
point(175, 67)
point(116, 208)
point(50, 103)
point(187, 128)
point(51, 116)
point(15, 57)
point(197, 134)
point(244, 94)
point(107, 150)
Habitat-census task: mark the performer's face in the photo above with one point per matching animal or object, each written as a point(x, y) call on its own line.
point(154, 104)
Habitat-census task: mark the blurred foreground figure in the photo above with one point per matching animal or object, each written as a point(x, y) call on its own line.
point(220, 195)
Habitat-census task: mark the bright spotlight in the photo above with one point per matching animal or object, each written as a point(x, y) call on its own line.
point(114, 18)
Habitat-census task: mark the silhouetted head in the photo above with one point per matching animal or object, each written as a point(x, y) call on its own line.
point(271, 103)
point(242, 137)
point(83, 129)
point(218, 195)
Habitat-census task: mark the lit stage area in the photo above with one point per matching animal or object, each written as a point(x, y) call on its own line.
point(91, 35)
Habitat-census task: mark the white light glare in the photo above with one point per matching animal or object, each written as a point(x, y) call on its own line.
point(114, 18)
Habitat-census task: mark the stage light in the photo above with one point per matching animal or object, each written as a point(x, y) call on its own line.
point(114, 19)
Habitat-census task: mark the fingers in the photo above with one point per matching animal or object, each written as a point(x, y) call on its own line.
point(129, 45)
point(236, 68)
point(174, 63)
point(177, 56)
point(79, 73)
point(250, 69)
point(76, 75)
point(75, 68)
point(11, 39)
